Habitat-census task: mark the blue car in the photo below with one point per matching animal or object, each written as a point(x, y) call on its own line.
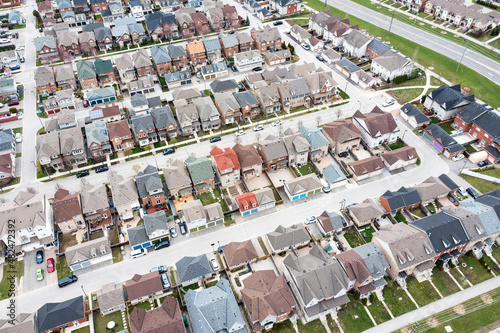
point(169, 151)
point(215, 139)
point(39, 256)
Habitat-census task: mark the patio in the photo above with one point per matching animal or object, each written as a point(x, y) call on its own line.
point(257, 183)
point(263, 265)
point(278, 178)
point(362, 154)
point(178, 202)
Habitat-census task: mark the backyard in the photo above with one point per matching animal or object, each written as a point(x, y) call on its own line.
point(396, 145)
point(483, 186)
point(444, 283)
point(101, 322)
point(207, 198)
point(352, 238)
point(353, 318)
point(144, 305)
point(15, 268)
point(400, 218)
point(367, 234)
point(396, 299)
point(314, 326)
point(85, 329)
point(423, 292)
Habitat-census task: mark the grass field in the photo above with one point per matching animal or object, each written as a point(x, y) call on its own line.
point(423, 292)
point(353, 238)
point(354, 318)
point(444, 283)
point(483, 186)
point(379, 313)
point(15, 268)
point(492, 173)
point(406, 95)
point(396, 299)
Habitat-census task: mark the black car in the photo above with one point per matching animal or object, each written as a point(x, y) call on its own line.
point(39, 256)
point(169, 151)
point(82, 174)
point(343, 154)
point(482, 163)
point(233, 68)
point(472, 192)
point(162, 245)
point(257, 69)
point(231, 32)
point(67, 280)
point(275, 23)
point(40, 29)
point(319, 57)
point(215, 139)
point(182, 228)
point(101, 169)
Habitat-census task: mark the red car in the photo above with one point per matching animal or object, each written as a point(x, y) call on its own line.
point(50, 265)
point(13, 103)
point(85, 103)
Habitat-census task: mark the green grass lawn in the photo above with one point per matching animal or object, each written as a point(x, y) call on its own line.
point(85, 329)
point(435, 81)
point(367, 234)
point(478, 273)
point(483, 186)
point(443, 282)
point(304, 170)
point(353, 318)
point(459, 278)
point(418, 212)
point(447, 127)
point(314, 326)
point(334, 328)
point(100, 322)
point(62, 268)
point(352, 238)
point(423, 292)
point(470, 149)
point(300, 21)
point(144, 305)
point(117, 255)
point(193, 286)
point(492, 173)
point(15, 268)
point(406, 95)
point(379, 313)
point(396, 145)
point(284, 327)
point(392, 295)
point(496, 252)
point(400, 218)
point(431, 208)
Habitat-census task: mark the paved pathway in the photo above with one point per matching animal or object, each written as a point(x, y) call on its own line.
point(437, 306)
point(481, 176)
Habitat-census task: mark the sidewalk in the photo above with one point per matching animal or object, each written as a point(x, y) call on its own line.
point(481, 176)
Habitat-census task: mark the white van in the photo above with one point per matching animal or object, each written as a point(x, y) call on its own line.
point(326, 186)
point(138, 253)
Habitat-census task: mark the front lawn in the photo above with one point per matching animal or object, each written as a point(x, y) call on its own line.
point(396, 145)
point(396, 299)
point(284, 327)
point(443, 282)
point(353, 238)
point(460, 279)
point(483, 186)
point(117, 254)
point(406, 95)
point(15, 268)
point(447, 128)
point(314, 326)
point(495, 172)
point(353, 318)
point(423, 292)
point(62, 268)
point(378, 311)
point(475, 272)
point(101, 322)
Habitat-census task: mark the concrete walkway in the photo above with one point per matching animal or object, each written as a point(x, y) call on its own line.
point(481, 176)
point(437, 306)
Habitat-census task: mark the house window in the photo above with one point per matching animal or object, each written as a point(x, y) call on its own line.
point(158, 202)
point(105, 215)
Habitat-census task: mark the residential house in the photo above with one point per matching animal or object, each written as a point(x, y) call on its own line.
point(62, 120)
point(198, 217)
point(189, 121)
point(45, 81)
point(283, 239)
point(98, 139)
point(65, 77)
point(269, 99)
point(178, 56)
point(201, 172)
point(213, 71)
point(167, 317)
point(72, 147)
point(124, 194)
point(249, 105)
point(377, 48)
point(266, 39)
point(245, 61)
point(376, 127)
point(245, 42)
point(273, 153)
point(177, 180)
point(355, 43)
point(287, 7)
point(319, 21)
point(178, 79)
point(391, 65)
point(302, 187)
point(139, 104)
point(231, 17)
point(318, 143)
point(161, 59)
point(250, 161)
point(100, 95)
point(330, 56)
point(48, 150)
point(201, 305)
point(310, 278)
point(193, 269)
point(23, 322)
point(144, 85)
point(136, 10)
point(112, 15)
point(143, 287)
point(144, 129)
point(366, 212)
point(486, 210)
point(103, 38)
point(95, 206)
point(343, 135)
point(404, 198)
point(297, 148)
point(88, 254)
point(87, 42)
point(228, 107)
point(331, 223)
point(185, 21)
point(125, 67)
point(58, 316)
point(446, 101)
point(165, 123)
point(294, 93)
point(45, 9)
point(278, 57)
point(196, 52)
point(86, 75)
point(156, 226)
point(267, 299)
point(7, 87)
point(110, 298)
point(67, 211)
point(337, 30)
point(256, 201)
point(431, 189)
point(442, 141)
point(226, 164)
point(239, 254)
point(299, 34)
point(98, 6)
point(215, 18)
point(150, 187)
point(229, 44)
point(414, 117)
point(400, 158)
point(10, 59)
point(68, 43)
point(207, 111)
point(160, 24)
point(105, 72)
point(46, 47)
point(212, 49)
point(108, 113)
point(61, 100)
point(200, 22)
point(7, 167)
point(322, 86)
point(142, 63)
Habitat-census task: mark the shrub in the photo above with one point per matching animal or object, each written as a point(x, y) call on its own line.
point(364, 301)
point(356, 295)
point(373, 298)
point(440, 264)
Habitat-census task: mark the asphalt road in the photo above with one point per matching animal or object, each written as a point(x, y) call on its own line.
point(483, 65)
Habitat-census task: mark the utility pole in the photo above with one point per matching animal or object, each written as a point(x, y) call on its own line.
point(390, 26)
point(462, 57)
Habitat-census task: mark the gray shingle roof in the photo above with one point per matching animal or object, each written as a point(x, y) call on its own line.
point(246, 98)
point(48, 41)
point(110, 296)
point(148, 180)
point(228, 41)
point(190, 268)
point(85, 70)
point(223, 85)
point(137, 235)
point(404, 197)
point(412, 111)
point(379, 46)
point(445, 140)
point(211, 44)
point(155, 221)
point(314, 136)
point(283, 237)
point(138, 100)
point(160, 54)
point(374, 259)
point(143, 122)
point(7, 139)
point(96, 132)
point(333, 173)
point(176, 51)
point(163, 117)
point(53, 315)
point(490, 123)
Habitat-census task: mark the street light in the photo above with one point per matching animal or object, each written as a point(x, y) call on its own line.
point(213, 250)
point(84, 293)
point(462, 57)
point(403, 138)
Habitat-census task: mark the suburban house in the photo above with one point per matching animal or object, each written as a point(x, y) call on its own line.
point(125, 67)
point(165, 123)
point(196, 52)
point(199, 217)
point(178, 56)
point(160, 24)
point(226, 164)
point(239, 254)
point(245, 42)
point(105, 72)
point(193, 270)
point(404, 198)
point(249, 105)
point(248, 60)
point(58, 316)
point(212, 49)
point(267, 299)
point(318, 21)
point(336, 30)
point(228, 107)
point(201, 173)
point(45, 81)
point(67, 211)
point(120, 136)
point(103, 37)
point(7, 167)
point(48, 151)
point(300, 34)
point(219, 86)
point(331, 223)
point(46, 47)
point(250, 161)
point(330, 56)
point(98, 139)
point(343, 135)
point(278, 57)
point(256, 201)
point(294, 93)
point(485, 211)
point(333, 175)
point(142, 63)
point(273, 153)
point(266, 39)
point(283, 239)
point(442, 141)
point(65, 77)
point(355, 43)
point(318, 144)
point(366, 168)
point(413, 115)
point(178, 79)
point(107, 112)
point(100, 95)
point(215, 70)
point(142, 287)
point(215, 17)
point(62, 120)
point(144, 129)
point(98, 6)
point(318, 281)
point(95, 206)
point(269, 99)
point(87, 42)
point(400, 158)
point(446, 101)
point(231, 18)
point(86, 75)
point(229, 44)
point(366, 212)
point(165, 318)
point(376, 127)
point(407, 251)
point(150, 188)
point(124, 194)
point(431, 189)
point(189, 121)
point(68, 44)
point(302, 187)
point(110, 298)
point(89, 253)
point(177, 180)
point(287, 7)
point(377, 48)
point(201, 305)
point(391, 65)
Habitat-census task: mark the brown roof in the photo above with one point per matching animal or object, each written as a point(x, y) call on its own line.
point(238, 253)
point(266, 294)
point(367, 165)
point(66, 205)
point(165, 319)
point(377, 121)
point(143, 285)
point(342, 130)
point(118, 129)
point(6, 163)
point(354, 266)
point(247, 155)
point(107, 110)
point(404, 154)
point(195, 46)
point(44, 5)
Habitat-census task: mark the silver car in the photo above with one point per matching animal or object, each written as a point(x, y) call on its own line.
point(165, 280)
point(173, 231)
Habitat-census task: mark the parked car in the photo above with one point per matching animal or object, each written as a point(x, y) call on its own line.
point(311, 220)
point(462, 191)
point(21, 59)
point(1, 128)
point(67, 280)
point(472, 192)
point(20, 115)
point(165, 281)
point(85, 103)
point(343, 154)
point(276, 123)
point(233, 68)
point(258, 128)
point(50, 265)
point(453, 200)
point(215, 139)
point(183, 228)
point(101, 169)
point(82, 173)
point(160, 269)
point(40, 29)
point(39, 274)
point(457, 157)
point(1, 106)
point(214, 263)
point(306, 46)
point(169, 151)
point(19, 137)
point(39, 256)
point(483, 163)
point(4, 41)
point(320, 57)
point(173, 231)
point(231, 32)
point(11, 103)
point(240, 132)
point(276, 23)
point(257, 69)
point(19, 48)
point(388, 102)
point(163, 244)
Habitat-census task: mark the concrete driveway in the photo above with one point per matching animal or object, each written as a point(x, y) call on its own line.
point(30, 267)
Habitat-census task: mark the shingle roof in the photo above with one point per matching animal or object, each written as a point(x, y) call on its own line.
point(490, 123)
point(176, 175)
point(486, 214)
point(110, 296)
point(103, 66)
point(211, 44)
point(283, 237)
point(331, 221)
point(87, 250)
point(123, 191)
point(412, 111)
point(223, 85)
point(66, 205)
point(403, 154)
point(48, 41)
point(448, 97)
point(143, 285)
point(247, 155)
point(85, 70)
point(448, 182)
point(53, 315)
point(94, 197)
point(367, 165)
point(165, 318)
point(404, 197)
point(175, 51)
point(268, 34)
point(44, 75)
point(347, 64)
point(160, 54)
point(356, 39)
point(137, 235)
point(148, 180)
point(377, 121)
point(199, 168)
point(333, 173)
point(155, 221)
point(190, 268)
point(471, 111)
point(228, 41)
point(237, 253)
point(392, 61)
point(430, 189)
point(379, 46)
point(366, 210)
point(22, 323)
point(314, 136)
point(446, 141)
point(163, 117)
point(342, 130)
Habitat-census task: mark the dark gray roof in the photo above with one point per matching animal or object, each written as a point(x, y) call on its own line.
point(471, 111)
point(53, 315)
point(288, 237)
point(491, 201)
point(155, 221)
point(444, 138)
point(138, 100)
point(346, 63)
point(142, 122)
point(449, 97)
point(336, 220)
point(190, 268)
point(493, 151)
point(223, 85)
point(401, 198)
point(176, 51)
point(178, 76)
point(246, 98)
point(7, 139)
point(215, 309)
point(157, 19)
point(374, 259)
point(92, 26)
point(102, 32)
point(163, 117)
point(333, 173)
point(448, 182)
point(412, 111)
point(148, 180)
point(379, 46)
point(154, 102)
point(137, 235)
point(444, 231)
point(490, 123)
point(160, 54)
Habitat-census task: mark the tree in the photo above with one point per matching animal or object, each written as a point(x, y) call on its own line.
point(299, 124)
point(258, 137)
point(247, 22)
point(173, 141)
point(283, 46)
point(136, 168)
point(318, 120)
point(148, 148)
point(291, 48)
point(338, 113)
point(36, 14)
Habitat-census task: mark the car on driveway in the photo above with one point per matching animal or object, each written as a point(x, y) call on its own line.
point(85, 103)
point(311, 220)
point(306, 46)
point(277, 123)
point(39, 256)
point(320, 57)
point(163, 244)
point(215, 139)
point(183, 228)
point(173, 231)
point(19, 48)
point(82, 173)
point(462, 191)
point(214, 263)
point(276, 23)
point(388, 102)
point(20, 115)
point(240, 132)
point(233, 68)
point(101, 169)
point(11, 103)
point(165, 281)
point(19, 137)
point(50, 265)
point(169, 151)
point(160, 269)
point(482, 163)
point(472, 192)
point(457, 157)
point(39, 274)
point(343, 154)
point(257, 69)
point(258, 128)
